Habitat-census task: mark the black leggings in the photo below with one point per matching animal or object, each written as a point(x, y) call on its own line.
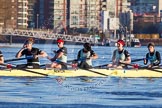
point(84, 65)
point(30, 66)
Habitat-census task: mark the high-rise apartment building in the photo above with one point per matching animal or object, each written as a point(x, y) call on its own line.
point(8, 13)
point(22, 13)
point(59, 13)
point(13, 13)
point(84, 13)
point(51, 13)
point(17, 13)
point(42, 15)
point(69, 13)
point(32, 14)
point(56, 14)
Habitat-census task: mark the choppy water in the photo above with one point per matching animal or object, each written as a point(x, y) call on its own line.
point(80, 92)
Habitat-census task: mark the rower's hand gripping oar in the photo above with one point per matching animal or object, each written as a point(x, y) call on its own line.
point(76, 60)
point(73, 65)
point(135, 60)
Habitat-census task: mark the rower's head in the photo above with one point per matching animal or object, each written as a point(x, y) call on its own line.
point(151, 47)
point(29, 42)
point(87, 46)
point(60, 42)
point(120, 44)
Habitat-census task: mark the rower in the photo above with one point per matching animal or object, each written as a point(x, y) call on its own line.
point(60, 59)
point(153, 56)
point(31, 53)
point(120, 57)
point(86, 55)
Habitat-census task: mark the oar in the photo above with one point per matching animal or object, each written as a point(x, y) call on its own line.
point(136, 60)
point(94, 72)
point(16, 59)
point(99, 66)
point(141, 67)
point(13, 67)
point(60, 62)
point(81, 68)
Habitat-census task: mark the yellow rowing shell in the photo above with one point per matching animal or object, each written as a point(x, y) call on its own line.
point(89, 73)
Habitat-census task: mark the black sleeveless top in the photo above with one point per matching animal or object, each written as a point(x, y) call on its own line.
point(31, 54)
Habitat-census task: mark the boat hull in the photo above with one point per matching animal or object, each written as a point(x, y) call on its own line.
point(89, 73)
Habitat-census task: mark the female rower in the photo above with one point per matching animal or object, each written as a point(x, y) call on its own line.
point(86, 55)
point(153, 56)
point(31, 54)
point(120, 57)
point(60, 59)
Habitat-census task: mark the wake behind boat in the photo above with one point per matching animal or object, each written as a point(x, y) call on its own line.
point(131, 73)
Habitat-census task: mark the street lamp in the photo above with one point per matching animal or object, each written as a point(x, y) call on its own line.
point(37, 20)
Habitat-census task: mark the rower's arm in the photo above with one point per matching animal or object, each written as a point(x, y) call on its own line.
point(1, 59)
point(113, 57)
point(42, 54)
point(94, 56)
point(78, 56)
point(58, 55)
point(19, 54)
point(146, 60)
point(158, 61)
point(159, 57)
point(128, 60)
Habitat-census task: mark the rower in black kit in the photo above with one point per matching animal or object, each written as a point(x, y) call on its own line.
point(32, 54)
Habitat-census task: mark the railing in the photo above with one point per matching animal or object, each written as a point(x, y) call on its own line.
point(45, 35)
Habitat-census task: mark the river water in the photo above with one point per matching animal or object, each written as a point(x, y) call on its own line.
point(80, 92)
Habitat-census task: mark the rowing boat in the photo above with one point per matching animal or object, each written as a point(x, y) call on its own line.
point(80, 72)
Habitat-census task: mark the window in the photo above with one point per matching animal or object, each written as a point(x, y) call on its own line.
point(12, 18)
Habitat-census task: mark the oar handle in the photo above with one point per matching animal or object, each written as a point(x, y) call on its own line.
point(100, 66)
point(76, 60)
point(16, 59)
point(136, 60)
point(135, 66)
